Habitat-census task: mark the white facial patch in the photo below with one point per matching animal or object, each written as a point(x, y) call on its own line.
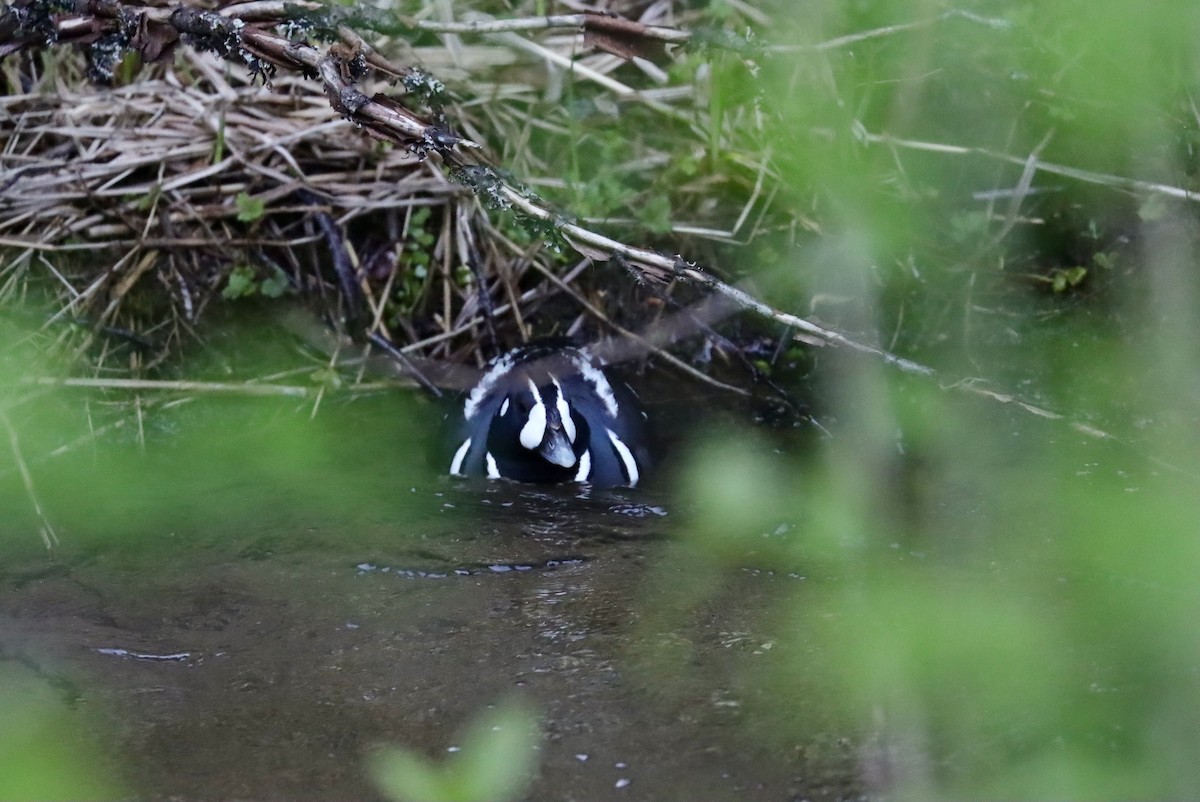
point(631, 468)
point(535, 425)
point(504, 408)
point(492, 469)
point(585, 467)
point(459, 456)
point(564, 413)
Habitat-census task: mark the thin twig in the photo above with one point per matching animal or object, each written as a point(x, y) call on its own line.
point(1036, 164)
point(577, 22)
point(46, 530)
point(388, 347)
point(232, 388)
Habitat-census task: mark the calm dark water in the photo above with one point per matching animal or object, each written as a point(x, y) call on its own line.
point(228, 637)
point(248, 600)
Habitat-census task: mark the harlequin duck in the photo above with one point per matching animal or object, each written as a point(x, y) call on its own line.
point(546, 412)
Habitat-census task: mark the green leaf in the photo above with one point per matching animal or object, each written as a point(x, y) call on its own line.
point(406, 776)
point(1064, 278)
point(249, 209)
point(420, 217)
point(326, 376)
point(656, 215)
point(497, 758)
point(240, 284)
point(1153, 208)
point(275, 286)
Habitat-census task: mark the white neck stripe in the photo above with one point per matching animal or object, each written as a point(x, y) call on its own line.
point(585, 467)
point(564, 411)
point(502, 366)
point(631, 468)
point(604, 390)
point(459, 456)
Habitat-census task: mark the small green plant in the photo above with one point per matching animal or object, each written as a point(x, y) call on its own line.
point(413, 261)
point(148, 200)
point(218, 153)
point(495, 762)
point(1065, 278)
point(249, 209)
point(244, 282)
point(240, 284)
point(656, 214)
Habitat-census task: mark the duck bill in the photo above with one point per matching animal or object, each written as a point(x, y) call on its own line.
point(557, 449)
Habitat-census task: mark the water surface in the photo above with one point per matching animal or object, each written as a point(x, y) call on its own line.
point(223, 656)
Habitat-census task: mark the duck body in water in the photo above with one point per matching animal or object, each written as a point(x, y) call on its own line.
point(546, 412)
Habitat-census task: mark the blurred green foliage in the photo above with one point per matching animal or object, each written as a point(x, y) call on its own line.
point(494, 763)
point(154, 477)
point(997, 604)
point(1004, 610)
point(47, 751)
point(131, 468)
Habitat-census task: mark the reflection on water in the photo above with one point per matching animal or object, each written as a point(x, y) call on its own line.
point(267, 662)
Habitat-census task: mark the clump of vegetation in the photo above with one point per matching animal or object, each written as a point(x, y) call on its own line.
point(255, 172)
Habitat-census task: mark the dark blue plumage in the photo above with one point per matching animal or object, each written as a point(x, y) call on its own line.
point(547, 413)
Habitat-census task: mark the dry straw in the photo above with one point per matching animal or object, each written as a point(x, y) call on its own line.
point(134, 190)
